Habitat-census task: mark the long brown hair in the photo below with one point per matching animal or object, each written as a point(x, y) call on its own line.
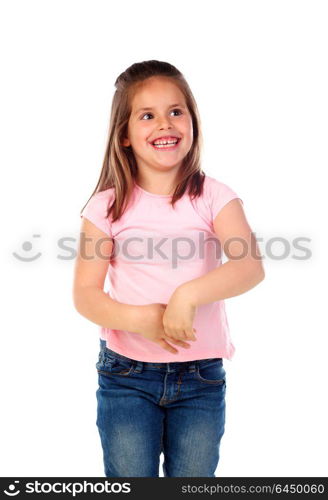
point(119, 168)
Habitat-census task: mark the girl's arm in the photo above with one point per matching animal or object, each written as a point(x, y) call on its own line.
point(243, 270)
point(91, 266)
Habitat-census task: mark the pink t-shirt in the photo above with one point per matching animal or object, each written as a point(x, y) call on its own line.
point(156, 249)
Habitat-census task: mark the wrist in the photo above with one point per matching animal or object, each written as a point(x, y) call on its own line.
point(134, 318)
point(188, 292)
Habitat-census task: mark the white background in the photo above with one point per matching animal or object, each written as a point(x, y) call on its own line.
point(258, 71)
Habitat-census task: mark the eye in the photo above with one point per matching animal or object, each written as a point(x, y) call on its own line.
point(147, 114)
point(176, 109)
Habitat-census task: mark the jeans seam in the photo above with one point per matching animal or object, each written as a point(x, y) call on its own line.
point(209, 382)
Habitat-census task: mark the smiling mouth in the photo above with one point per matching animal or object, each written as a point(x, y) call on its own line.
point(167, 146)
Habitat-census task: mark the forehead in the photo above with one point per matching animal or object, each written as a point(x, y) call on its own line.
point(155, 92)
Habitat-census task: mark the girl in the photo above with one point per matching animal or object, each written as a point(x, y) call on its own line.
point(156, 223)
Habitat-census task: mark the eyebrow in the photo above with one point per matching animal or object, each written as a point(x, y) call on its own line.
point(150, 108)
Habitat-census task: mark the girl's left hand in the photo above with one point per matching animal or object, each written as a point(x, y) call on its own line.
point(178, 317)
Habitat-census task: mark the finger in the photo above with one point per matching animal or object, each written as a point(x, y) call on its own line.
point(180, 335)
point(180, 342)
point(169, 332)
point(190, 334)
point(176, 335)
point(167, 346)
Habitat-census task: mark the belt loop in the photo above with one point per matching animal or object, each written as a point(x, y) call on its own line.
point(138, 366)
point(192, 367)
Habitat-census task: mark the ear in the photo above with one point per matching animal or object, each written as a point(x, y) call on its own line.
point(126, 142)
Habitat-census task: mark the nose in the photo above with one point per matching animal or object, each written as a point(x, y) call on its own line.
point(164, 122)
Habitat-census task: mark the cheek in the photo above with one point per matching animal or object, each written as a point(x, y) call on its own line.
point(187, 127)
point(138, 141)
point(142, 133)
point(189, 135)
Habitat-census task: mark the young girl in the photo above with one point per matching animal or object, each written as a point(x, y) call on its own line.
point(155, 225)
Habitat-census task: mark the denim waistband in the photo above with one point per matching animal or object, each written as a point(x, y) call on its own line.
point(190, 366)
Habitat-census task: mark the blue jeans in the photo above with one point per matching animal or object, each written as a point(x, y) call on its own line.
point(145, 408)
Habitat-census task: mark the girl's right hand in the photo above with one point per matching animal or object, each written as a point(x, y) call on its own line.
point(151, 327)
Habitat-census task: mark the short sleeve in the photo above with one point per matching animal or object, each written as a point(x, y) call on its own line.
point(96, 210)
point(220, 194)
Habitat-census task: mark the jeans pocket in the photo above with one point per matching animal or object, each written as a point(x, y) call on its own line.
point(110, 365)
point(211, 372)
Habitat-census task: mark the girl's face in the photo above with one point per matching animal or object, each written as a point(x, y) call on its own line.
point(167, 116)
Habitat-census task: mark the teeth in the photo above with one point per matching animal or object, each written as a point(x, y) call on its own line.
point(164, 143)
